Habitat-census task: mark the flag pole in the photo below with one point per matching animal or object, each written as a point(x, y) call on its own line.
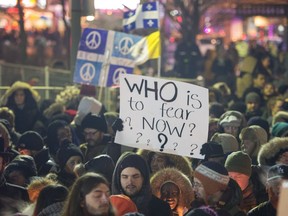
point(103, 74)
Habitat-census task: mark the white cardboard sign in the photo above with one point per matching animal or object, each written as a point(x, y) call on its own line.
point(163, 115)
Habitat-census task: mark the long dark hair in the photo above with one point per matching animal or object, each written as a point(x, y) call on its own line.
point(79, 190)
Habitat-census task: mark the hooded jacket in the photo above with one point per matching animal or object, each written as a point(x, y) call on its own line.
point(186, 195)
point(146, 203)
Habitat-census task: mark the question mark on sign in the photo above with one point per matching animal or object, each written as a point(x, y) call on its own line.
point(193, 127)
point(139, 135)
point(129, 120)
point(148, 141)
point(195, 146)
point(175, 145)
point(162, 141)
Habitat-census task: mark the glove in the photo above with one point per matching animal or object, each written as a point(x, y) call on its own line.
point(117, 125)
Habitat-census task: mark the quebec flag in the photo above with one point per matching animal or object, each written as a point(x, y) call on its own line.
point(145, 16)
point(103, 55)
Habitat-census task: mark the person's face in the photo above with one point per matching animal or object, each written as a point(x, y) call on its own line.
point(131, 181)
point(198, 189)
point(273, 188)
point(19, 97)
point(16, 177)
point(248, 146)
point(252, 106)
point(277, 107)
point(230, 129)
point(157, 162)
point(92, 136)
point(71, 163)
point(266, 62)
point(241, 179)
point(268, 89)
point(170, 194)
point(283, 159)
point(64, 133)
point(259, 81)
point(97, 201)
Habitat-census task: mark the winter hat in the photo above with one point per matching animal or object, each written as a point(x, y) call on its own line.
point(102, 164)
point(123, 204)
point(228, 142)
point(231, 118)
point(280, 129)
point(67, 150)
point(252, 97)
point(23, 163)
point(211, 150)
point(269, 153)
point(94, 121)
point(277, 171)
point(87, 105)
point(202, 211)
point(30, 140)
point(239, 162)
point(213, 176)
point(216, 109)
point(257, 120)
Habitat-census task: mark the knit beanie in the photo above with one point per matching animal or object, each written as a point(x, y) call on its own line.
point(239, 162)
point(252, 97)
point(228, 142)
point(23, 163)
point(67, 150)
point(257, 120)
point(123, 204)
point(211, 150)
point(94, 121)
point(136, 161)
point(30, 140)
point(213, 176)
point(280, 129)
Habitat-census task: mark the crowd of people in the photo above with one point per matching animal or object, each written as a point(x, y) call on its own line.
point(58, 157)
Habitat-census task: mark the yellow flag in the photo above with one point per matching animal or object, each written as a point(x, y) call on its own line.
point(147, 48)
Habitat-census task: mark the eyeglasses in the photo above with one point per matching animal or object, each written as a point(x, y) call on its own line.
point(90, 133)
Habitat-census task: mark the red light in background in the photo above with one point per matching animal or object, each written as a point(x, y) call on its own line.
point(179, 19)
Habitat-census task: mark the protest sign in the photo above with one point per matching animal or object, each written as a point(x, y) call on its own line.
point(163, 115)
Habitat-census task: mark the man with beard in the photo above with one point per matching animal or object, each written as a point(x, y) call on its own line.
point(276, 174)
point(94, 129)
point(131, 178)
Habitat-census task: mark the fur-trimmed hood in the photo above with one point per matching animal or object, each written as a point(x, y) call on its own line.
point(270, 151)
point(181, 163)
point(16, 86)
point(178, 178)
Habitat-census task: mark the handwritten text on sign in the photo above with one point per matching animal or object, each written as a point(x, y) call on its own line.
point(163, 115)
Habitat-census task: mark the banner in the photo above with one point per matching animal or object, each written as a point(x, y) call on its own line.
point(103, 55)
point(145, 16)
point(163, 115)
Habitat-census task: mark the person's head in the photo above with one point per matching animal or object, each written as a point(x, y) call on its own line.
point(274, 104)
point(122, 204)
point(68, 156)
point(170, 193)
point(276, 174)
point(265, 60)
point(93, 127)
point(8, 114)
point(252, 138)
point(49, 195)
point(89, 196)
point(269, 90)
point(131, 175)
point(213, 151)
point(252, 101)
point(19, 97)
point(20, 170)
point(201, 211)
point(228, 142)
point(232, 122)
point(280, 129)
point(210, 180)
point(57, 131)
point(259, 80)
point(158, 161)
point(29, 143)
point(238, 165)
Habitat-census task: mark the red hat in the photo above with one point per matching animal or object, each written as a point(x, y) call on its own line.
point(122, 204)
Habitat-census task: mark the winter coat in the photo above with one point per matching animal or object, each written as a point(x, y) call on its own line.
point(186, 195)
point(54, 209)
point(249, 200)
point(264, 209)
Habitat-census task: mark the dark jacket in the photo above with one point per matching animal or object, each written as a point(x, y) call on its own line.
point(146, 203)
point(264, 209)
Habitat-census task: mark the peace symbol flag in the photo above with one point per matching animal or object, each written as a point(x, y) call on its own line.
point(145, 16)
point(103, 55)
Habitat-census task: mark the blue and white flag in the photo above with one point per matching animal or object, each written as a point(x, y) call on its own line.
point(103, 55)
point(146, 15)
